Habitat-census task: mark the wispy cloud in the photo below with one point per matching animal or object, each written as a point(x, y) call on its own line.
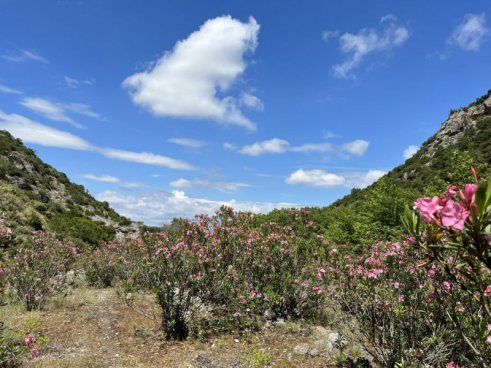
point(59, 111)
point(367, 41)
point(21, 56)
point(222, 186)
point(146, 158)
point(161, 207)
point(34, 132)
point(187, 142)
point(471, 32)
point(5, 89)
point(75, 83)
point(185, 82)
point(102, 178)
point(113, 180)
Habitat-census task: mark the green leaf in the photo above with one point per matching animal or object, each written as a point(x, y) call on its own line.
point(481, 197)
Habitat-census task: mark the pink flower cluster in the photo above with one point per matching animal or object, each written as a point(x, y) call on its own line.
point(444, 211)
point(29, 341)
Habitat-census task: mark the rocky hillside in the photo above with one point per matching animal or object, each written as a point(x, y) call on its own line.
point(373, 213)
point(463, 139)
point(35, 196)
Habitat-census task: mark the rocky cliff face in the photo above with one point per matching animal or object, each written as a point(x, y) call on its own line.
point(454, 128)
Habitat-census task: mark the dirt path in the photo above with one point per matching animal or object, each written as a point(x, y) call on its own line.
point(109, 352)
point(94, 328)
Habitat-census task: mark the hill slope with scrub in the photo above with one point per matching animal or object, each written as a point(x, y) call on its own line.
point(35, 196)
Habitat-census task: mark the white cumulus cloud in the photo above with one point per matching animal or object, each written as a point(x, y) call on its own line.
point(368, 41)
point(186, 82)
point(161, 207)
point(363, 179)
point(315, 178)
point(274, 145)
point(470, 33)
point(181, 183)
point(323, 179)
point(410, 151)
point(357, 147)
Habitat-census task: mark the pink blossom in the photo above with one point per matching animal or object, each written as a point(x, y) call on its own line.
point(396, 285)
point(468, 193)
point(34, 353)
point(29, 340)
point(488, 339)
point(487, 292)
point(488, 327)
point(2, 272)
point(452, 365)
point(447, 285)
point(400, 298)
point(451, 191)
point(374, 273)
point(454, 215)
point(427, 208)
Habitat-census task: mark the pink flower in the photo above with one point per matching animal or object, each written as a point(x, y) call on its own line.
point(427, 208)
point(487, 292)
point(396, 285)
point(34, 353)
point(447, 285)
point(454, 215)
point(2, 272)
point(488, 327)
point(488, 339)
point(400, 298)
point(29, 340)
point(452, 365)
point(374, 273)
point(468, 193)
point(451, 191)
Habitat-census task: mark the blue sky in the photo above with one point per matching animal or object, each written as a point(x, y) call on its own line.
point(171, 108)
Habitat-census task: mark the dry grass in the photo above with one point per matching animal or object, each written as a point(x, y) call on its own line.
point(95, 328)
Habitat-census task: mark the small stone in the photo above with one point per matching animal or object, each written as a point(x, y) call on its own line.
point(236, 341)
point(324, 347)
point(301, 349)
point(280, 322)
